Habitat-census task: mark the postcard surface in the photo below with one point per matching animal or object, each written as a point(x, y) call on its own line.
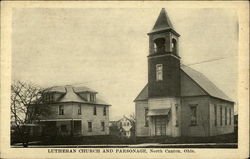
point(124, 79)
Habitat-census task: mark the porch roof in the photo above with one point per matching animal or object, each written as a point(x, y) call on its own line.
point(157, 112)
point(59, 120)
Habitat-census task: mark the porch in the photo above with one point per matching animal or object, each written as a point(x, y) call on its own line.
point(61, 127)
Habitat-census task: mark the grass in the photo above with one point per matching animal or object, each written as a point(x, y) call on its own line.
point(110, 139)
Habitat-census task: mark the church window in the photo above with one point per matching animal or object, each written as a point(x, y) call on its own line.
point(230, 119)
point(176, 109)
point(146, 117)
point(159, 74)
point(215, 115)
point(193, 115)
point(225, 115)
point(159, 45)
point(221, 115)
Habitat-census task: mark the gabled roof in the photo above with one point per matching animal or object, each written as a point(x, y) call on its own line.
point(143, 95)
point(199, 79)
point(209, 87)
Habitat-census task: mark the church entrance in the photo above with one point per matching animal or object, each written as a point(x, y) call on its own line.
point(160, 125)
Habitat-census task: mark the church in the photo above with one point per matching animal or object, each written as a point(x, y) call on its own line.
point(178, 100)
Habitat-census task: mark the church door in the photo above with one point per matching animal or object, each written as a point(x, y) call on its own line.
point(160, 125)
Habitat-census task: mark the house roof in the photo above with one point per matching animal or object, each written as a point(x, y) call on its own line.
point(70, 94)
point(58, 89)
point(83, 89)
point(199, 79)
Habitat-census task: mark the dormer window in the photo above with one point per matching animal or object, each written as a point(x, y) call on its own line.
point(92, 97)
point(48, 97)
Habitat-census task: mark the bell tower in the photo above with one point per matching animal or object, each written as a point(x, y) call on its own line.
point(163, 59)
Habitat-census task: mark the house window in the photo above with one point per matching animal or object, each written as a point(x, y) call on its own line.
point(63, 128)
point(230, 119)
point(221, 115)
point(92, 97)
point(61, 110)
point(79, 109)
point(215, 115)
point(104, 111)
point(50, 97)
point(193, 115)
point(176, 110)
point(146, 117)
point(94, 110)
point(103, 126)
point(89, 126)
point(159, 75)
point(225, 115)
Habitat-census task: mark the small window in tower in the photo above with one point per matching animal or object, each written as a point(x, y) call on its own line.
point(159, 75)
point(159, 45)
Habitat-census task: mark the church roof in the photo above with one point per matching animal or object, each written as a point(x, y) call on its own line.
point(209, 87)
point(143, 95)
point(163, 23)
point(199, 79)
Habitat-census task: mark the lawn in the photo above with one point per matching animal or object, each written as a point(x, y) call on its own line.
point(109, 139)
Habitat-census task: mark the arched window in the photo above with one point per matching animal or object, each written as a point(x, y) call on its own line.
point(174, 46)
point(159, 45)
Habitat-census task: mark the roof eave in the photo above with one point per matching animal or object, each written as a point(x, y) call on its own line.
point(154, 31)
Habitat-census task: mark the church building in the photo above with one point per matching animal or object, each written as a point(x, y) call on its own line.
point(178, 100)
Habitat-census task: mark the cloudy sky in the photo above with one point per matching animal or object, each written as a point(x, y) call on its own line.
point(106, 49)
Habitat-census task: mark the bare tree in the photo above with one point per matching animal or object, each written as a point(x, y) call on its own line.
point(26, 108)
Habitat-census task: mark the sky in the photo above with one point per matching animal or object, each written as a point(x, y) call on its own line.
point(106, 49)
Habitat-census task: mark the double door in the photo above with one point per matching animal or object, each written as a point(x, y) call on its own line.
point(160, 125)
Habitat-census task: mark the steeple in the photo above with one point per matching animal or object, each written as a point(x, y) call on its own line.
point(163, 59)
point(163, 23)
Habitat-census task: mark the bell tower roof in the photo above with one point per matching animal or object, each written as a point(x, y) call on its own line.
point(163, 23)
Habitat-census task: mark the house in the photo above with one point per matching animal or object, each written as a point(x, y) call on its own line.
point(178, 100)
point(126, 126)
point(76, 111)
point(123, 127)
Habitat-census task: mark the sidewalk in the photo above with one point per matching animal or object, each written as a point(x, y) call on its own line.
point(146, 145)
